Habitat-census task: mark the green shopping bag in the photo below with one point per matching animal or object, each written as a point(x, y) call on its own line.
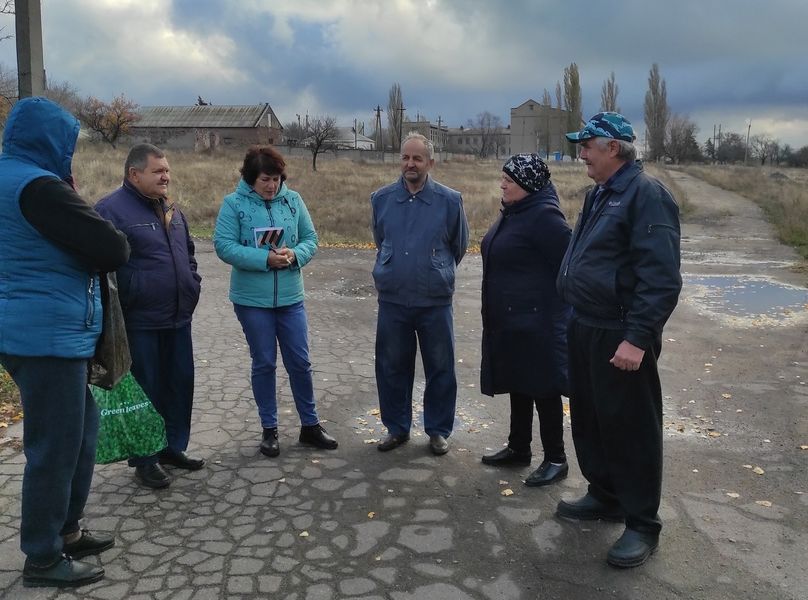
point(129, 425)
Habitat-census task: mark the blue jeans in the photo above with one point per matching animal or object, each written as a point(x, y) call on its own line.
point(397, 328)
point(288, 325)
point(163, 365)
point(60, 430)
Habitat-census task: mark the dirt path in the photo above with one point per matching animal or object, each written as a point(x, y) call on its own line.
point(736, 396)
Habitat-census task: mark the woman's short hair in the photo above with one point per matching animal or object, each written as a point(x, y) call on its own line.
point(262, 159)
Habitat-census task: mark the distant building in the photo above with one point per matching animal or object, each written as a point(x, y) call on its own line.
point(470, 140)
point(538, 128)
point(347, 139)
point(438, 133)
point(207, 127)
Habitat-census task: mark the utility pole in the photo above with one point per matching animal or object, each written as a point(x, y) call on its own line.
point(746, 149)
point(400, 109)
point(30, 62)
point(440, 135)
point(379, 132)
point(354, 134)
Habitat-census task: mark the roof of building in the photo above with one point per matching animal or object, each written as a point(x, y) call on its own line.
point(204, 116)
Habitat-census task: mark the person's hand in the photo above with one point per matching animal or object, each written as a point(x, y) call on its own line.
point(280, 258)
point(627, 357)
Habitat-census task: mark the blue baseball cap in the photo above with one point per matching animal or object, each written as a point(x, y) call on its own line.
point(605, 124)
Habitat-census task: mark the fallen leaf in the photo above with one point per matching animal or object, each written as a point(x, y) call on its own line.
point(315, 461)
point(375, 411)
point(765, 503)
point(507, 492)
point(747, 466)
point(695, 470)
point(758, 470)
point(726, 396)
point(713, 434)
point(371, 441)
point(371, 514)
point(304, 534)
point(804, 447)
point(733, 494)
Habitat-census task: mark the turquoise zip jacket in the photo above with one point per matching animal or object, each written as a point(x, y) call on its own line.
point(252, 282)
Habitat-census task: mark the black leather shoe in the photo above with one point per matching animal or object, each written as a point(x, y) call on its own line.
point(88, 544)
point(506, 457)
point(315, 435)
point(438, 444)
point(181, 460)
point(589, 508)
point(393, 441)
point(152, 476)
point(547, 473)
point(64, 573)
point(269, 445)
point(632, 549)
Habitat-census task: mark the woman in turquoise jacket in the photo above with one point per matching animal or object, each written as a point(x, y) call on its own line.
point(265, 233)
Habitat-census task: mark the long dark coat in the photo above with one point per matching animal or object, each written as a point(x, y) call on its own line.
point(524, 346)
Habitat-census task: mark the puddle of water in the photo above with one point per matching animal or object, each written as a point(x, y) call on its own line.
point(747, 297)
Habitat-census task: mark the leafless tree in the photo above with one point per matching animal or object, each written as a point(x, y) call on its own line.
point(572, 102)
point(8, 91)
point(321, 135)
point(491, 137)
point(765, 148)
point(395, 116)
point(681, 145)
point(109, 121)
point(608, 95)
point(657, 113)
point(6, 8)
point(65, 94)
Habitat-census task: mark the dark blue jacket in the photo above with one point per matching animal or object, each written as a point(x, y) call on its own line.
point(524, 346)
point(621, 270)
point(420, 239)
point(159, 286)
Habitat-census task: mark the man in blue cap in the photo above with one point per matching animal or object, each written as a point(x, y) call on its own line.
point(621, 276)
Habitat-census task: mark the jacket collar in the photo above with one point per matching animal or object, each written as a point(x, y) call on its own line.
point(128, 186)
point(245, 189)
point(424, 194)
point(623, 177)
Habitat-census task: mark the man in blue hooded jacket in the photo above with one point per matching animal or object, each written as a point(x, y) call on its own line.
point(52, 245)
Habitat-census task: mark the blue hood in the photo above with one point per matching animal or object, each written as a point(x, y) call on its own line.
point(42, 133)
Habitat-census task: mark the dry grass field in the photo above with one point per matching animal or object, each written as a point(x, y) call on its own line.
point(782, 194)
point(337, 194)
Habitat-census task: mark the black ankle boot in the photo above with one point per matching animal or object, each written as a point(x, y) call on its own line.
point(270, 447)
point(315, 435)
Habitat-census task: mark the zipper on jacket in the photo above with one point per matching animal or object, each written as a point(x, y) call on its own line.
point(91, 302)
point(274, 271)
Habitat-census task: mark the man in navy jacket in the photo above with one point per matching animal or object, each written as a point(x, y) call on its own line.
point(621, 276)
point(421, 235)
point(159, 289)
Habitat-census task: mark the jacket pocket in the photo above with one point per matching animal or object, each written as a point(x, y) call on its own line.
point(441, 273)
point(383, 274)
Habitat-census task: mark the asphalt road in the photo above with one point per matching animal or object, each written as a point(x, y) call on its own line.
point(356, 523)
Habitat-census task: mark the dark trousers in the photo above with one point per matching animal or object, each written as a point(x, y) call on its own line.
point(551, 425)
point(400, 330)
point(163, 365)
point(617, 424)
point(60, 430)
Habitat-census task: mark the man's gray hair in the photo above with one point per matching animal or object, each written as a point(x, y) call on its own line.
point(138, 157)
point(627, 150)
point(414, 135)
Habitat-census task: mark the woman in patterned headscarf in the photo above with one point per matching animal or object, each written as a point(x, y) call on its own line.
point(524, 322)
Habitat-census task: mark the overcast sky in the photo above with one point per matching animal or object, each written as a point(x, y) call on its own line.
point(724, 61)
